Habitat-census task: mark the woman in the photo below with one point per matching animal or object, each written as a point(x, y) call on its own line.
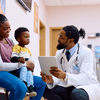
point(7, 80)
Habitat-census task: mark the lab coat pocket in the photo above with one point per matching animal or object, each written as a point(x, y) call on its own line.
point(76, 68)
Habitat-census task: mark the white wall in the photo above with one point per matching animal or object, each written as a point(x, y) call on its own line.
point(17, 17)
point(85, 16)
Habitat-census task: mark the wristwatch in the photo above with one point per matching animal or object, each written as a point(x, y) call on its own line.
point(65, 79)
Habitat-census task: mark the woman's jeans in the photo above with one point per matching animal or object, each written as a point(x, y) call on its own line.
point(18, 89)
point(39, 87)
point(13, 84)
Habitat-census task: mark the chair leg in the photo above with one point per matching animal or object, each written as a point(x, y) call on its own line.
point(7, 96)
point(26, 98)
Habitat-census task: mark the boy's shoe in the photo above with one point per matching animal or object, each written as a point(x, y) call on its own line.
point(31, 91)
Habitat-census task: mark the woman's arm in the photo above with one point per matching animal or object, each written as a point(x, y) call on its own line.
point(4, 66)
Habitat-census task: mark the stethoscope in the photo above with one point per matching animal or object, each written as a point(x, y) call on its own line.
point(76, 61)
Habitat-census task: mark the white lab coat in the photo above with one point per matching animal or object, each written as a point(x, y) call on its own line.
point(82, 76)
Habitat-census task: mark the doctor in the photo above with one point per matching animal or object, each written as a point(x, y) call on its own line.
point(74, 79)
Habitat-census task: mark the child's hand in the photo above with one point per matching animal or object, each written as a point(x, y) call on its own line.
point(21, 59)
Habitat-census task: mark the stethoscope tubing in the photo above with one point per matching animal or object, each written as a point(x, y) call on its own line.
point(76, 62)
point(76, 57)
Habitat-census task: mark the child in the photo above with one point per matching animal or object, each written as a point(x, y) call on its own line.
point(20, 53)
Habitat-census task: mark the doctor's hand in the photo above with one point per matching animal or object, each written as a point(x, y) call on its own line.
point(46, 78)
point(58, 73)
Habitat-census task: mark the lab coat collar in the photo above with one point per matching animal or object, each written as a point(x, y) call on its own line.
point(73, 49)
point(73, 56)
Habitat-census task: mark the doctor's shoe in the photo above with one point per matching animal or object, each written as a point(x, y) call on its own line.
point(31, 92)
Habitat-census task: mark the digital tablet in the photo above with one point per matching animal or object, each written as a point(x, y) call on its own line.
point(46, 62)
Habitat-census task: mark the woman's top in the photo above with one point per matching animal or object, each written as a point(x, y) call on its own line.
point(6, 50)
point(5, 54)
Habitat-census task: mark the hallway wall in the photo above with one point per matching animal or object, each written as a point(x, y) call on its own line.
point(83, 16)
point(19, 17)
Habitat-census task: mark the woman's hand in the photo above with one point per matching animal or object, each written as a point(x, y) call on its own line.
point(30, 65)
point(57, 72)
point(46, 78)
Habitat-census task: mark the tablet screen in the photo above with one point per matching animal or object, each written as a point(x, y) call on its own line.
point(46, 62)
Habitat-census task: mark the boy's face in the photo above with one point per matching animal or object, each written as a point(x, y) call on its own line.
point(24, 38)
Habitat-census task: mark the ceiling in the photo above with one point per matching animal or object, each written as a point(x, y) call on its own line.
point(70, 2)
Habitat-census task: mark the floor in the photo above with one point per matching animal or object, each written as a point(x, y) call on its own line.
point(27, 98)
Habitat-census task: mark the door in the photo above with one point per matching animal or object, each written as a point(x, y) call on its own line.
point(41, 39)
point(54, 34)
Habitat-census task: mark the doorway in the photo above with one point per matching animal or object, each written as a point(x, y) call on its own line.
point(41, 38)
point(54, 33)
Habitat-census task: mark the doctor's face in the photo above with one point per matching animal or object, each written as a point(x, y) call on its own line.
point(63, 41)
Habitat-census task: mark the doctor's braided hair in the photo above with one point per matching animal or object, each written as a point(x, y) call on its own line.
point(2, 18)
point(72, 32)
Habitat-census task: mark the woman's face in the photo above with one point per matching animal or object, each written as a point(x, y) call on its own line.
point(4, 29)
